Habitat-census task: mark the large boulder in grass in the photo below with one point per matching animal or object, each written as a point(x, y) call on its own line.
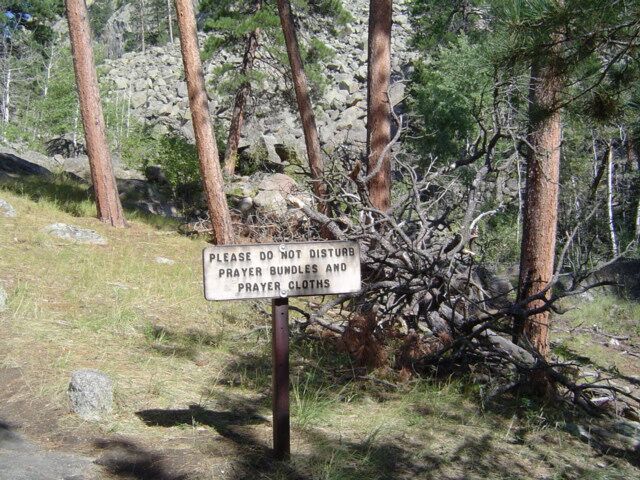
point(623, 274)
point(75, 234)
point(91, 394)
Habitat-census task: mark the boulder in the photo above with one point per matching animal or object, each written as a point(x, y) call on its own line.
point(396, 93)
point(149, 198)
point(139, 99)
point(623, 274)
point(25, 164)
point(90, 394)
point(273, 193)
point(6, 209)
point(182, 91)
point(75, 234)
point(350, 117)
point(66, 146)
point(240, 187)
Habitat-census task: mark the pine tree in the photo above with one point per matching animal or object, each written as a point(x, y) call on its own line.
point(203, 130)
point(104, 183)
point(307, 116)
point(378, 105)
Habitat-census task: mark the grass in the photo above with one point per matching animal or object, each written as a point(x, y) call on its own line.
point(586, 331)
point(73, 198)
point(192, 378)
point(609, 313)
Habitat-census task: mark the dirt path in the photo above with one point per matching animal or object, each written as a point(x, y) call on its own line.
point(22, 460)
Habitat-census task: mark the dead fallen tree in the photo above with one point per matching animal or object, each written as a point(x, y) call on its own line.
point(423, 301)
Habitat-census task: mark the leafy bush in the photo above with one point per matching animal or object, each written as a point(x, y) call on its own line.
point(177, 157)
point(448, 94)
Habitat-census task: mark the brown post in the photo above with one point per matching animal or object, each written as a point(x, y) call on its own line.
point(202, 125)
point(280, 372)
point(104, 182)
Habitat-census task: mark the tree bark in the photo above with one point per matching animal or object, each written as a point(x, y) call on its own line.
point(104, 183)
point(612, 226)
point(242, 94)
point(378, 105)
point(202, 125)
point(638, 223)
point(142, 25)
point(6, 97)
point(170, 21)
point(541, 201)
point(307, 116)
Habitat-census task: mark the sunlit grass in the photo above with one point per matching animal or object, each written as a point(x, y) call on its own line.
point(149, 328)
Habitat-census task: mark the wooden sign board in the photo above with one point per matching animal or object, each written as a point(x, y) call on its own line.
point(238, 272)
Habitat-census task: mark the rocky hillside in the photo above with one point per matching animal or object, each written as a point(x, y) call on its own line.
point(152, 84)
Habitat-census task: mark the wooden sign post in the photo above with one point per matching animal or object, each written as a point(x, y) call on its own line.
point(280, 271)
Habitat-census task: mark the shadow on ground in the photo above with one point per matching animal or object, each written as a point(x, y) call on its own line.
point(127, 459)
point(71, 193)
point(243, 437)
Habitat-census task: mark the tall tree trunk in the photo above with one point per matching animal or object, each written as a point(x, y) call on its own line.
point(104, 183)
point(633, 165)
point(202, 125)
point(242, 94)
point(6, 98)
point(309, 128)
point(47, 69)
point(638, 224)
point(170, 21)
point(612, 226)
point(142, 24)
point(540, 216)
point(378, 105)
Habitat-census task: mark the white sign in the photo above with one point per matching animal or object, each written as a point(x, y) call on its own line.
point(236, 272)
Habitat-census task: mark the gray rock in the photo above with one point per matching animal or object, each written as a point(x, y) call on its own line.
point(350, 117)
point(139, 99)
point(245, 205)
point(358, 134)
point(26, 163)
point(121, 83)
point(164, 261)
point(624, 276)
point(6, 209)
point(90, 394)
point(182, 90)
point(273, 191)
point(75, 234)
point(396, 93)
point(141, 86)
point(240, 187)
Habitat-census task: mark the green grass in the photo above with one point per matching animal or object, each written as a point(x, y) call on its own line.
point(609, 313)
point(72, 197)
point(205, 369)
